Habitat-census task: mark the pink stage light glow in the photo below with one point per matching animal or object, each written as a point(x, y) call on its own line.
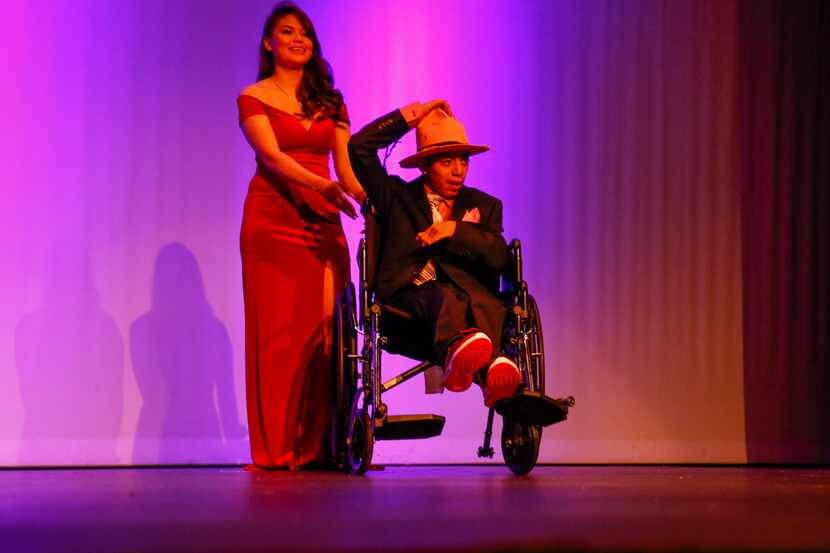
point(124, 174)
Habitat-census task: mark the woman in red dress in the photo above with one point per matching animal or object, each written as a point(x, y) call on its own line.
point(294, 252)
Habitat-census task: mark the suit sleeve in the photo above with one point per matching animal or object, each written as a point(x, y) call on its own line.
point(363, 154)
point(482, 242)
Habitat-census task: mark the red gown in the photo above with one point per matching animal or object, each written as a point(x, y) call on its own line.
point(291, 241)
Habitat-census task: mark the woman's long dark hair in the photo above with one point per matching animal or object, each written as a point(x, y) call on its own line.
point(317, 94)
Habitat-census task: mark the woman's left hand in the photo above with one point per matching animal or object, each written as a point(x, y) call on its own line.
point(358, 196)
point(334, 193)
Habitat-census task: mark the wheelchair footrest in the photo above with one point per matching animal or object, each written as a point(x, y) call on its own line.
point(534, 408)
point(409, 427)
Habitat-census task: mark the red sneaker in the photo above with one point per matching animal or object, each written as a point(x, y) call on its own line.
point(464, 357)
point(503, 377)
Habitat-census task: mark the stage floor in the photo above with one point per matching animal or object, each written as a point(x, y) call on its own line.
point(452, 508)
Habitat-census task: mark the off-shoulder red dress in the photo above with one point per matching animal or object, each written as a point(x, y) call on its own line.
point(292, 246)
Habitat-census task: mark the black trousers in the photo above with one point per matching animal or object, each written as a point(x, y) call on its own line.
point(440, 308)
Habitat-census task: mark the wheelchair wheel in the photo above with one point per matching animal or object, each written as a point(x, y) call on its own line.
point(536, 346)
point(360, 438)
point(520, 445)
point(344, 346)
point(520, 440)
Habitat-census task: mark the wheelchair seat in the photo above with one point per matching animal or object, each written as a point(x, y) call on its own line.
point(405, 336)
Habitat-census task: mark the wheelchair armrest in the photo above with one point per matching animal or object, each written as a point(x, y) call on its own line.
point(511, 277)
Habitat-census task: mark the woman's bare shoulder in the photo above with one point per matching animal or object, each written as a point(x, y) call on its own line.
point(259, 91)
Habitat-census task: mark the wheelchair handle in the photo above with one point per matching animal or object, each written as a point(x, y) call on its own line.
point(516, 249)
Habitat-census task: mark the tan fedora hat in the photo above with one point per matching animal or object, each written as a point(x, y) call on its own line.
point(439, 133)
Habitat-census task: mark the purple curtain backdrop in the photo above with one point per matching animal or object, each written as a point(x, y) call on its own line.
point(614, 141)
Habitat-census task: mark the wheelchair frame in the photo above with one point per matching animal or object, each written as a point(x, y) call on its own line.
point(361, 416)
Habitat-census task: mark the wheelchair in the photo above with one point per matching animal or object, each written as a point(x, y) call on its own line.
point(360, 416)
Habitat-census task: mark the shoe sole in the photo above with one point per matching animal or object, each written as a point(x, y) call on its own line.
point(503, 382)
point(471, 355)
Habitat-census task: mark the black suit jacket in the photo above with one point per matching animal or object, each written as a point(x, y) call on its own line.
point(473, 258)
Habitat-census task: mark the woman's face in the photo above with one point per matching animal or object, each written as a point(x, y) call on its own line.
point(289, 43)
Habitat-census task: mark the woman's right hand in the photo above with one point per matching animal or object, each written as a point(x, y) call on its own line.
point(335, 195)
point(414, 113)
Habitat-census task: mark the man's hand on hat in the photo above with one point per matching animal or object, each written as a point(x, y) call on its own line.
point(415, 112)
point(436, 232)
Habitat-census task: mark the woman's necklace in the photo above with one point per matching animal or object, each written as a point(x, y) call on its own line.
point(291, 98)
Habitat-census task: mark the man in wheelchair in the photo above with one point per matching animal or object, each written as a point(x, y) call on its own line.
point(443, 249)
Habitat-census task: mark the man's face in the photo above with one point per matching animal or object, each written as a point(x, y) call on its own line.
point(445, 173)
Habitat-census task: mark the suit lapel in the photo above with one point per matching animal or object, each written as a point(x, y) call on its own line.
point(419, 197)
point(461, 204)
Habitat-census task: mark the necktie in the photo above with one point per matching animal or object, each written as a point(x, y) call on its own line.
point(441, 211)
point(440, 206)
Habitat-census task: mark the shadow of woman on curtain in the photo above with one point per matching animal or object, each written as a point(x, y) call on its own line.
point(70, 362)
point(183, 364)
